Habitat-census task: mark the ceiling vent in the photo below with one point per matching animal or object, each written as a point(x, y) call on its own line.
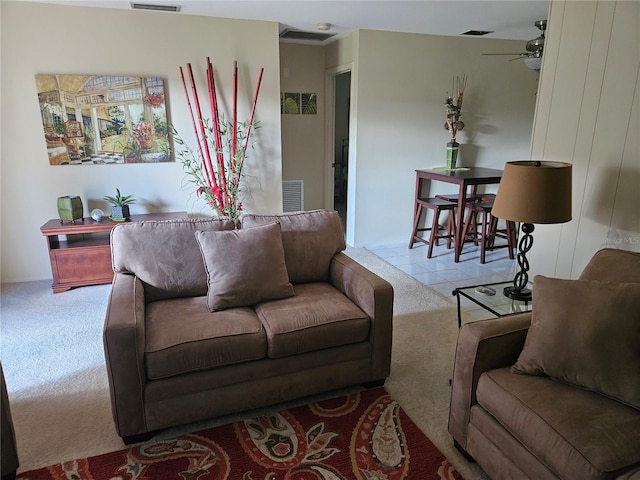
point(289, 34)
point(158, 8)
point(477, 33)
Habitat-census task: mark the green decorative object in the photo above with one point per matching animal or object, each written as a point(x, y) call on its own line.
point(70, 208)
point(452, 155)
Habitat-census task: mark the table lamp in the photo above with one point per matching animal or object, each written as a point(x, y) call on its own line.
point(532, 191)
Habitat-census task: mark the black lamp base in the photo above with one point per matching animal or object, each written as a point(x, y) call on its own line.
point(514, 293)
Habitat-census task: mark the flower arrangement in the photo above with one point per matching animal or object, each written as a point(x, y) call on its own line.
point(153, 100)
point(217, 179)
point(453, 107)
point(143, 134)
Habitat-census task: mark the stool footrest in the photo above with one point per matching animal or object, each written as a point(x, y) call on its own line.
point(454, 197)
point(432, 202)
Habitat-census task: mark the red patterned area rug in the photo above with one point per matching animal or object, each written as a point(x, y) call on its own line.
point(364, 436)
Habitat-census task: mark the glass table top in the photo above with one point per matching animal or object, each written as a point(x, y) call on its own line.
point(497, 303)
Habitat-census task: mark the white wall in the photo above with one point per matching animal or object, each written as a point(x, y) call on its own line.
point(589, 115)
point(401, 86)
point(43, 38)
point(303, 154)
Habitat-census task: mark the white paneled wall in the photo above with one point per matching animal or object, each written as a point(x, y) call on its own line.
point(588, 114)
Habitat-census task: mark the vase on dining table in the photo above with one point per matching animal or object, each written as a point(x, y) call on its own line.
point(452, 154)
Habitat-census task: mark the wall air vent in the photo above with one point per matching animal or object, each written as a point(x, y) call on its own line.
point(158, 8)
point(289, 34)
point(292, 195)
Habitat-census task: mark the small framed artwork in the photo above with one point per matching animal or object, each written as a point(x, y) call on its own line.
point(309, 104)
point(291, 103)
point(101, 119)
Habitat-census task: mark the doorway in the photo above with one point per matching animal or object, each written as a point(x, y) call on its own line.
point(341, 109)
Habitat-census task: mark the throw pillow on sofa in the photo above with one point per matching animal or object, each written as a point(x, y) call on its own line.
point(178, 270)
point(244, 267)
point(310, 239)
point(585, 333)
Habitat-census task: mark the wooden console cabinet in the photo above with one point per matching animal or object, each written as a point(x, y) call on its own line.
point(84, 256)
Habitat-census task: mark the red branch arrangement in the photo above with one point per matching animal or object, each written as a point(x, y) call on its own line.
point(217, 179)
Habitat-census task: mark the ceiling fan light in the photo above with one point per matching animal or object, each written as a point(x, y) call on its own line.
point(534, 63)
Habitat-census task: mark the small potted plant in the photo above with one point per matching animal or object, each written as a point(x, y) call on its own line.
point(120, 206)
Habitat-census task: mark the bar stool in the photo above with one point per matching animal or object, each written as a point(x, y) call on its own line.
point(473, 222)
point(469, 200)
point(484, 233)
point(488, 197)
point(453, 197)
point(438, 206)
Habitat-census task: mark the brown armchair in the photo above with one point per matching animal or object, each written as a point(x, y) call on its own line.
point(540, 425)
point(8, 450)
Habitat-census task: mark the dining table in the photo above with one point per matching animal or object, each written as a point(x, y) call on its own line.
point(467, 179)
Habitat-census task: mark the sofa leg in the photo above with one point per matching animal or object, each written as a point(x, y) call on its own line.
point(464, 453)
point(374, 384)
point(139, 438)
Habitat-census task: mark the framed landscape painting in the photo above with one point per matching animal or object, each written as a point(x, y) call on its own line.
point(103, 119)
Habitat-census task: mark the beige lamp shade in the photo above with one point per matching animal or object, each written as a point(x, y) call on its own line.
point(534, 192)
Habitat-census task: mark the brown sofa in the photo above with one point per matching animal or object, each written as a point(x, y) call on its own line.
point(8, 450)
point(205, 320)
point(555, 393)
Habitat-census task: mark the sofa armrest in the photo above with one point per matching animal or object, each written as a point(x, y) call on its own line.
point(124, 340)
point(8, 450)
point(482, 346)
point(374, 296)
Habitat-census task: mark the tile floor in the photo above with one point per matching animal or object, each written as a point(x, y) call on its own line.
point(442, 274)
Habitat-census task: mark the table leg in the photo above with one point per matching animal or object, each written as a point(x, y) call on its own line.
point(416, 212)
point(457, 295)
point(459, 241)
point(462, 205)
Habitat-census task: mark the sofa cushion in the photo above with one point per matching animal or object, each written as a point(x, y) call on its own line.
point(318, 317)
point(499, 453)
point(585, 333)
point(183, 337)
point(244, 267)
point(164, 255)
point(575, 432)
point(310, 241)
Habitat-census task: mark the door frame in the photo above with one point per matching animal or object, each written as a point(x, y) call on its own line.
point(330, 121)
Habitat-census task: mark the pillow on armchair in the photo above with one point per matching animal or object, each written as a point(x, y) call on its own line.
point(244, 267)
point(585, 333)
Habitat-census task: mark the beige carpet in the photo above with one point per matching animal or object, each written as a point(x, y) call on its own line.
point(51, 352)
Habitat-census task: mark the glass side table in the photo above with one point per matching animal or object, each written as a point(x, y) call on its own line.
point(497, 304)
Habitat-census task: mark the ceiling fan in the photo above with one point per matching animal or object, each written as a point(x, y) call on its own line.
point(533, 56)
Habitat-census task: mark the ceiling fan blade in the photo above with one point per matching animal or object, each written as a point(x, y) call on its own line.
point(533, 56)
